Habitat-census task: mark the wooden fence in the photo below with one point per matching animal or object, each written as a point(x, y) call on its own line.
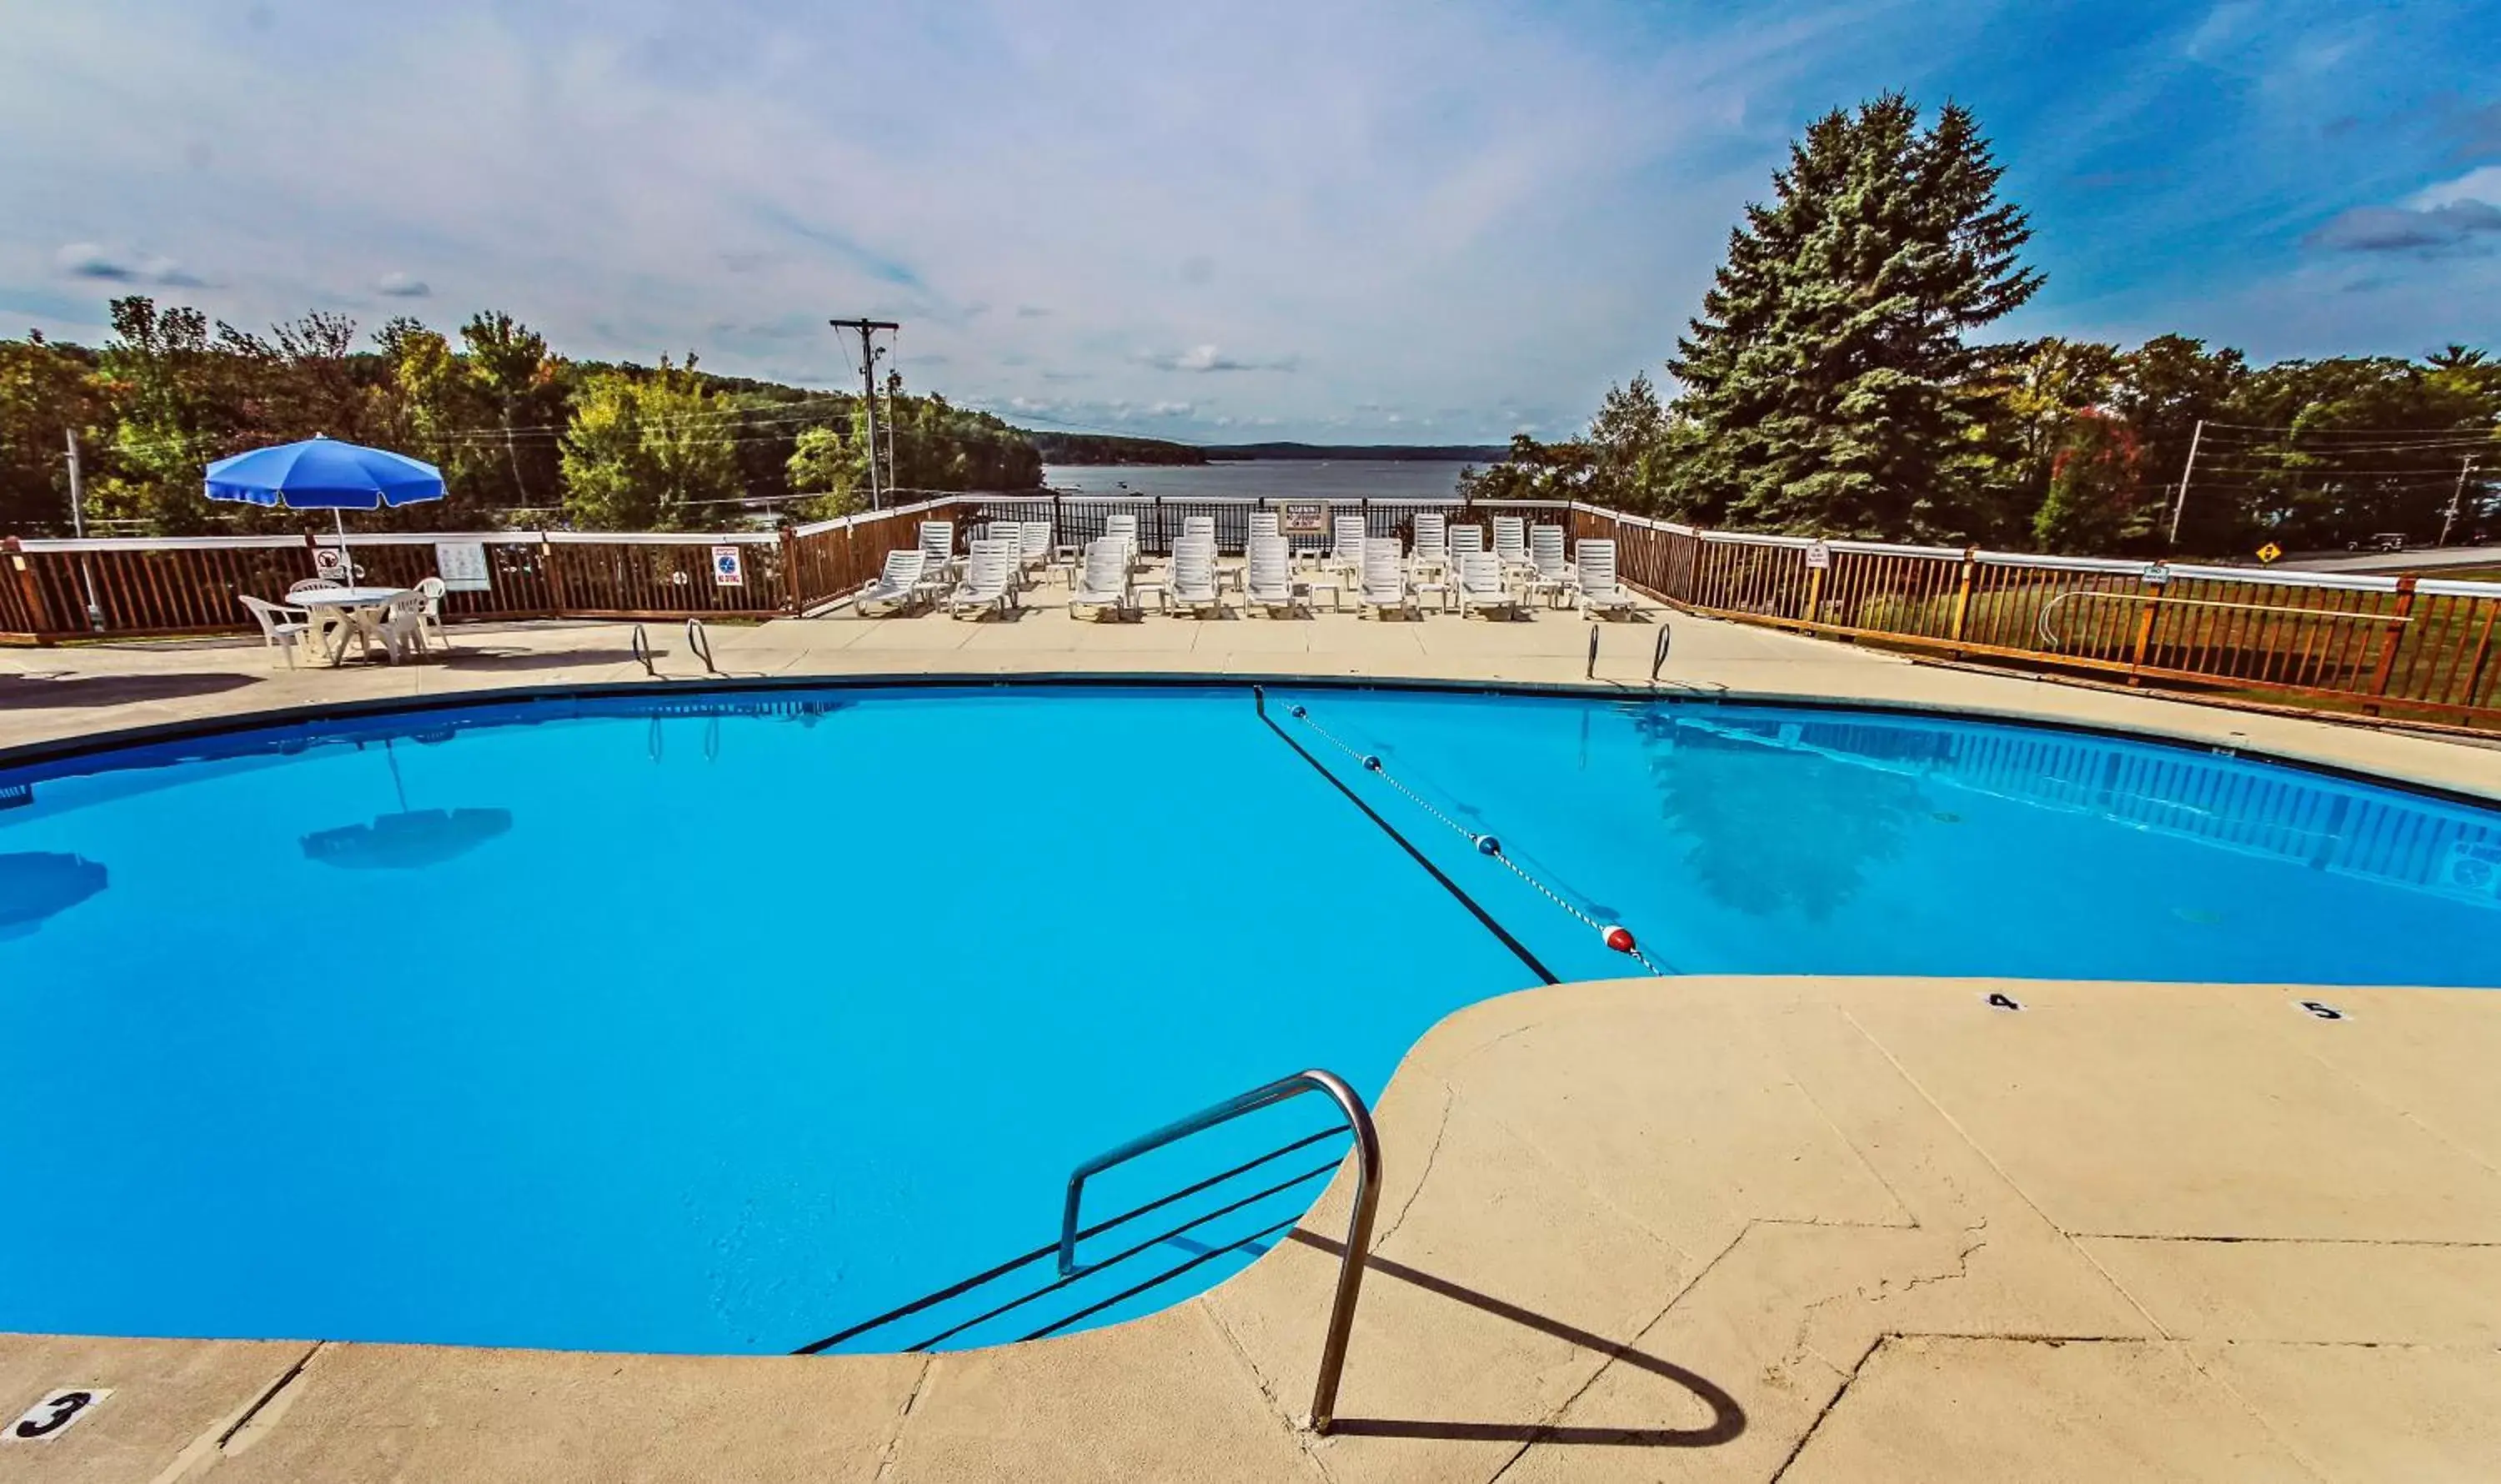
point(2417, 646)
point(2383, 644)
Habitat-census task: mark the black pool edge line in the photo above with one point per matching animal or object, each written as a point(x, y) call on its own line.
point(55, 749)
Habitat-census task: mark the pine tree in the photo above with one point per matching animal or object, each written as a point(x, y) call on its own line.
point(1827, 385)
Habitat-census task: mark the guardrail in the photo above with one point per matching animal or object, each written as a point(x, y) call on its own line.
point(2428, 647)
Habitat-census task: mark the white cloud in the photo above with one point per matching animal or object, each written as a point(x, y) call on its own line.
point(2481, 185)
point(1451, 204)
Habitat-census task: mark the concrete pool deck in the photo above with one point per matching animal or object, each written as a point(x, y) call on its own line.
point(1712, 1227)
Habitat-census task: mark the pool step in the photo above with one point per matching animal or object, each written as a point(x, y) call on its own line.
point(1127, 1265)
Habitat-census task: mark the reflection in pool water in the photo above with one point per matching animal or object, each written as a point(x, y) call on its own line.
point(700, 1021)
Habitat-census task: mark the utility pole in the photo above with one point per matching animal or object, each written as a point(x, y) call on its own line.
point(77, 529)
point(867, 330)
point(2180, 502)
point(2456, 499)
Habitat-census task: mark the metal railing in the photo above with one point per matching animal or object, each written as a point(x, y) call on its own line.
point(1358, 1230)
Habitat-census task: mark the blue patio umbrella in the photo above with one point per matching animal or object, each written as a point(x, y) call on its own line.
point(324, 474)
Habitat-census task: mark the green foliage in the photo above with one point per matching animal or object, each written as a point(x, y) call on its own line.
point(830, 465)
point(45, 393)
point(649, 452)
point(490, 406)
point(1831, 386)
point(2096, 502)
point(1826, 381)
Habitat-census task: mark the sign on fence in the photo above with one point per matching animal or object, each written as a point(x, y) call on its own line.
point(462, 565)
point(1818, 556)
point(728, 567)
point(1303, 517)
point(330, 561)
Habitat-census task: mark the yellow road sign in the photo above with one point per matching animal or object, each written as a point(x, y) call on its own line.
point(2270, 551)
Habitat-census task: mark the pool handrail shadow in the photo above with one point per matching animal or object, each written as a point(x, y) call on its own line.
point(1728, 1417)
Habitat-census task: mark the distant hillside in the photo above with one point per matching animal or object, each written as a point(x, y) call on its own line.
point(1105, 449)
point(1392, 452)
point(1108, 449)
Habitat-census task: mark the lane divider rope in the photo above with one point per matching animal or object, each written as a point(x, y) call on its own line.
point(1614, 935)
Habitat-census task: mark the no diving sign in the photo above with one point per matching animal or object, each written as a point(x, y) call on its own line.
point(728, 567)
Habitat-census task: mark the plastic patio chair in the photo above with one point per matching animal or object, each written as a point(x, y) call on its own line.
point(1104, 583)
point(986, 581)
point(1600, 591)
point(1384, 578)
point(433, 589)
point(1193, 577)
point(897, 587)
point(280, 628)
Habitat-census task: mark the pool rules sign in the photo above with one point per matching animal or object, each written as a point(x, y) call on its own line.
point(728, 567)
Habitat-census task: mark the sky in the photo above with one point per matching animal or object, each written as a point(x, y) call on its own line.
point(1415, 222)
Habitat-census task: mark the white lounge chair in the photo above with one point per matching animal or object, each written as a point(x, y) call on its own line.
point(900, 586)
point(1104, 583)
point(1198, 528)
point(1268, 581)
point(1033, 542)
point(1467, 541)
point(1432, 540)
point(1481, 589)
point(1347, 554)
point(1122, 526)
point(280, 628)
point(1600, 592)
point(1510, 543)
point(986, 581)
point(938, 540)
point(1263, 523)
point(1006, 543)
point(1550, 575)
point(1384, 579)
point(1192, 583)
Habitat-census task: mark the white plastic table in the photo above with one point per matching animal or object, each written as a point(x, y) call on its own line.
point(354, 606)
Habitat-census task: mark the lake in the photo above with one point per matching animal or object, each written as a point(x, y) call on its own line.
point(1277, 478)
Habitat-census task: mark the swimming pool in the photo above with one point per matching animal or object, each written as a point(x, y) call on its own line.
point(713, 1022)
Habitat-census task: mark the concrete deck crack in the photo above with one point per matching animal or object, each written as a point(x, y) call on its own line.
point(2003, 1173)
point(893, 1449)
point(1450, 1100)
point(1303, 1438)
point(210, 1444)
point(284, 1380)
point(1831, 1403)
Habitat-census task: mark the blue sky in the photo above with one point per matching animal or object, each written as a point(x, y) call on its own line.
point(1415, 223)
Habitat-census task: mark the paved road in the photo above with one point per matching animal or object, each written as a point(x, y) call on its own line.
point(2421, 559)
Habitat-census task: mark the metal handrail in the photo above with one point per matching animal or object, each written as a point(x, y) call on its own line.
point(1358, 1230)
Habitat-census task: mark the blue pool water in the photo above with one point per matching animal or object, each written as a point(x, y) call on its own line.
point(571, 1023)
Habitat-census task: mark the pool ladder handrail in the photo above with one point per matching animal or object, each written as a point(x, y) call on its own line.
point(1358, 1230)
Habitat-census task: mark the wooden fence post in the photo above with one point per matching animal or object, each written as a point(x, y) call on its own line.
point(555, 583)
point(2144, 629)
point(790, 603)
point(39, 614)
point(2396, 637)
point(1962, 594)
